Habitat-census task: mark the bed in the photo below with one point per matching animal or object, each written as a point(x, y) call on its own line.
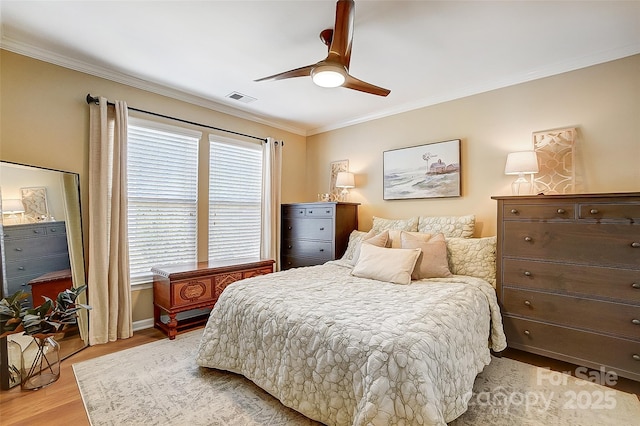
point(346, 349)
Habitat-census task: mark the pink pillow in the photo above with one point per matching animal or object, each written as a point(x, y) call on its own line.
point(432, 262)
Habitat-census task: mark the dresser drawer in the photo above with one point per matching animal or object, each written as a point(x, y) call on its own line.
point(293, 211)
point(30, 248)
point(320, 211)
point(11, 233)
point(592, 244)
point(193, 291)
point(610, 212)
point(312, 229)
point(579, 347)
point(617, 319)
point(321, 250)
point(542, 212)
point(581, 280)
point(21, 267)
point(289, 262)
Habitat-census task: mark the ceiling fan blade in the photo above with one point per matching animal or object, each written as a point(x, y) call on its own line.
point(340, 49)
point(363, 86)
point(298, 72)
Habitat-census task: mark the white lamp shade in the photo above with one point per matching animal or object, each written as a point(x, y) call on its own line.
point(345, 180)
point(12, 206)
point(525, 162)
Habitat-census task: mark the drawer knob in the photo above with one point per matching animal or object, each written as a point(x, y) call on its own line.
point(322, 229)
point(18, 249)
point(635, 321)
point(527, 273)
point(635, 244)
point(561, 211)
point(289, 227)
point(514, 211)
point(328, 211)
point(636, 286)
point(527, 303)
point(636, 357)
point(527, 333)
point(593, 211)
point(20, 268)
point(36, 231)
point(289, 246)
point(310, 211)
point(321, 250)
point(52, 229)
point(528, 239)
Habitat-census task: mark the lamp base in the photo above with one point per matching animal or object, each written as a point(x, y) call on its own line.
point(521, 186)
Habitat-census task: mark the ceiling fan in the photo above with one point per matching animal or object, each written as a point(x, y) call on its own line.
point(333, 71)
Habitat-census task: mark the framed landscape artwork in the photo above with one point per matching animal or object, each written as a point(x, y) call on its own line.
point(424, 171)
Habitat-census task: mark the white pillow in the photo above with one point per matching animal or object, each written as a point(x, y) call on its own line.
point(432, 262)
point(379, 240)
point(450, 226)
point(381, 224)
point(475, 257)
point(385, 264)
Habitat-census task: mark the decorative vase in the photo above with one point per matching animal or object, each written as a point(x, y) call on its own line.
point(14, 363)
point(40, 363)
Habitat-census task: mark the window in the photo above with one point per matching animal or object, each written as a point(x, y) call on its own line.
point(235, 198)
point(163, 195)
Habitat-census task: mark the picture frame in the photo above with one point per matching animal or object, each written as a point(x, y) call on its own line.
point(425, 171)
point(35, 203)
point(336, 167)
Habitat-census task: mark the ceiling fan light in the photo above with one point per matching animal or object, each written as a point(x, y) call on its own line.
point(328, 76)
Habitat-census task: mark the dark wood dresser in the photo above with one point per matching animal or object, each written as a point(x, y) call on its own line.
point(185, 287)
point(568, 278)
point(314, 233)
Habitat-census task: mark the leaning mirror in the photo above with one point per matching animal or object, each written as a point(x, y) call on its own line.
point(41, 244)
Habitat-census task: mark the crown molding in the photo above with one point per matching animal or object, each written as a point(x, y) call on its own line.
point(118, 77)
point(546, 70)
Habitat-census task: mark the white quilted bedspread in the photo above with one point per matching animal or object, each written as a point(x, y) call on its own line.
point(351, 351)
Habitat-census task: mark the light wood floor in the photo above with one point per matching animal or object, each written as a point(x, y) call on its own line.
point(62, 401)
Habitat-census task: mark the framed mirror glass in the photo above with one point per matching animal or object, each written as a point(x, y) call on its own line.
point(41, 243)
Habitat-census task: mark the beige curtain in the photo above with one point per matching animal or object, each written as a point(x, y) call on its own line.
point(271, 178)
point(108, 278)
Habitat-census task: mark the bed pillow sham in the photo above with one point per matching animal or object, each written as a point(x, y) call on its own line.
point(449, 226)
point(475, 257)
point(354, 239)
point(380, 224)
point(432, 261)
point(371, 238)
point(386, 264)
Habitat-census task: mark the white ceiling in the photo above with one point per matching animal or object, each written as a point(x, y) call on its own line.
point(425, 52)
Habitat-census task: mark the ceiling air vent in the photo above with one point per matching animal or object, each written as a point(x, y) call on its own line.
point(240, 97)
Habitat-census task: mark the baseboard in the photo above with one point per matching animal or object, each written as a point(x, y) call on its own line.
point(143, 324)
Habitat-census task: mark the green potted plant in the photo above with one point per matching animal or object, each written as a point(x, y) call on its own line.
point(40, 359)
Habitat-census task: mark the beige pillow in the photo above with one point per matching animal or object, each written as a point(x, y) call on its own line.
point(475, 257)
point(450, 226)
point(355, 238)
point(380, 224)
point(385, 264)
point(379, 240)
point(432, 262)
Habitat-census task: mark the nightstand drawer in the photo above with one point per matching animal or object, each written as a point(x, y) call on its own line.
point(304, 248)
point(194, 291)
point(591, 244)
point(537, 212)
point(311, 229)
point(617, 319)
point(571, 345)
point(578, 280)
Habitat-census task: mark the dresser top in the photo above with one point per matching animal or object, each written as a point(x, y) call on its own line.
point(568, 196)
point(322, 203)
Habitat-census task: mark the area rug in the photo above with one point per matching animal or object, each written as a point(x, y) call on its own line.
point(160, 384)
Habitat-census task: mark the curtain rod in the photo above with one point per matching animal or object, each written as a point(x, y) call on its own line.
point(96, 100)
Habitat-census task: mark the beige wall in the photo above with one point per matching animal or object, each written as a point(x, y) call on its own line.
point(44, 121)
point(602, 101)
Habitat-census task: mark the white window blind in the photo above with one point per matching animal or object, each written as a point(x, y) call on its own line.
point(163, 187)
point(235, 199)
